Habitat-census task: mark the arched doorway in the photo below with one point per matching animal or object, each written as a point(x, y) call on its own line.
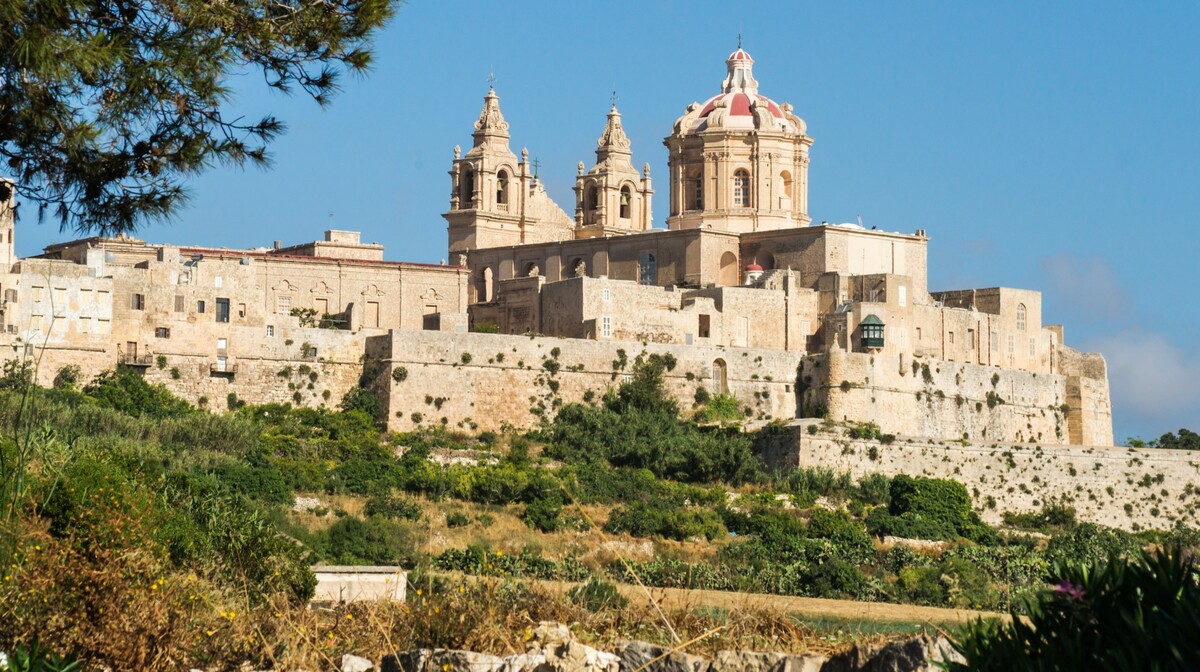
point(727, 276)
point(720, 377)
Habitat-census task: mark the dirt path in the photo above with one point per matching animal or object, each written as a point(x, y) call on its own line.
point(803, 607)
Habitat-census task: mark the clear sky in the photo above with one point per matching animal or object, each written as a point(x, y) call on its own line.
point(1051, 146)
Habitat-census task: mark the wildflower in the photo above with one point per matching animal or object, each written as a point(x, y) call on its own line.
point(1069, 590)
point(499, 554)
point(349, 617)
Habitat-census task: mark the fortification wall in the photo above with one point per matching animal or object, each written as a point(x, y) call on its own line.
point(933, 398)
point(486, 381)
point(1120, 487)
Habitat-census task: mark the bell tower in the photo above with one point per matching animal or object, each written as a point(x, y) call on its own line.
point(487, 186)
point(612, 198)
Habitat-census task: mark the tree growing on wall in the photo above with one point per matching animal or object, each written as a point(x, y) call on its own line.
point(108, 106)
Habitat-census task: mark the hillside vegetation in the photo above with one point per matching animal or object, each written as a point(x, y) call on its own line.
point(176, 523)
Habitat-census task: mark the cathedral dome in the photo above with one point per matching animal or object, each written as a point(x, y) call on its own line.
point(739, 105)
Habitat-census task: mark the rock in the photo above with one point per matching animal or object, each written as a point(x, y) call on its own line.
point(919, 654)
point(352, 663)
point(533, 661)
point(441, 660)
point(303, 504)
point(635, 655)
point(563, 653)
point(747, 661)
point(809, 662)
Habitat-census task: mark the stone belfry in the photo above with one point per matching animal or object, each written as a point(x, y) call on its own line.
point(739, 161)
point(494, 201)
point(612, 198)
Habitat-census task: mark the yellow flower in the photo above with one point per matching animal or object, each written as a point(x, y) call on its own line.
point(418, 591)
point(499, 554)
point(349, 617)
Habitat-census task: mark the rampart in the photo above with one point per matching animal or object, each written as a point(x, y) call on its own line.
point(1120, 487)
point(487, 381)
point(918, 396)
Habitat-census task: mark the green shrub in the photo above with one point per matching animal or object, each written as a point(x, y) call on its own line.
point(929, 508)
point(363, 400)
point(543, 514)
point(391, 506)
point(1142, 614)
point(849, 537)
point(67, 377)
point(597, 595)
point(837, 579)
point(457, 519)
point(126, 391)
point(721, 408)
point(374, 541)
point(653, 519)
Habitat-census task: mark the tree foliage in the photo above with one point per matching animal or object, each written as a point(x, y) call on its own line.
point(108, 106)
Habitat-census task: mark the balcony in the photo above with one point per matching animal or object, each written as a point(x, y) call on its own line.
point(133, 359)
point(872, 332)
point(226, 369)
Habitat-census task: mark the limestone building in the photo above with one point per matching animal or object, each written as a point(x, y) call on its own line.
point(740, 287)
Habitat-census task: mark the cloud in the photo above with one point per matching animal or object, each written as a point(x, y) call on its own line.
point(1083, 286)
point(1155, 385)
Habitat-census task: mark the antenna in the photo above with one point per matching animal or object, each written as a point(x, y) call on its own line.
point(536, 163)
point(860, 220)
point(491, 78)
point(739, 37)
point(614, 95)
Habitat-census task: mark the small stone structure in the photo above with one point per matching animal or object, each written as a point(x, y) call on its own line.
point(354, 583)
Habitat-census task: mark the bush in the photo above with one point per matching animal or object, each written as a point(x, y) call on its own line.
point(67, 377)
point(654, 519)
point(363, 400)
point(544, 514)
point(457, 519)
point(849, 537)
point(1138, 615)
point(126, 391)
point(374, 541)
point(597, 594)
point(391, 506)
point(721, 408)
point(838, 579)
point(929, 508)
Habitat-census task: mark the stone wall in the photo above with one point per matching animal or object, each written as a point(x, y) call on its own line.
point(933, 398)
point(486, 381)
point(1119, 487)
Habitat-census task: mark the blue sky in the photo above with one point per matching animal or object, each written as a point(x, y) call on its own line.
point(1051, 146)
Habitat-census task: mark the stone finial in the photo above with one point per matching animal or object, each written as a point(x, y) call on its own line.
point(646, 170)
point(580, 167)
point(614, 139)
point(457, 152)
point(491, 123)
point(524, 155)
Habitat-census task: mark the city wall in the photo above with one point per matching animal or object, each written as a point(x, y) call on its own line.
point(918, 396)
point(1119, 487)
point(488, 381)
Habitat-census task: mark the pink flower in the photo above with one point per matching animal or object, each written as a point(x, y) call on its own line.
point(1069, 590)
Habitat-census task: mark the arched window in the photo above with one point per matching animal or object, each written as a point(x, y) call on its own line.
point(720, 382)
point(647, 269)
point(466, 189)
point(1020, 317)
point(591, 199)
point(741, 189)
point(502, 187)
point(695, 192)
point(785, 186)
point(625, 199)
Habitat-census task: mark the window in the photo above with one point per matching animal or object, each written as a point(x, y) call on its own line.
point(696, 192)
point(995, 344)
point(200, 306)
point(222, 346)
point(971, 338)
point(179, 303)
point(217, 282)
point(704, 326)
point(162, 332)
point(10, 295)
point(592, 199)
point(241, 310)
point(138, 302)
point(902, 295)
point(741, 189)
point(37, 293)
point(950, 337)
point(270, 330)
point(606, 327)
point(1032, 348)
point(85, 325)
point(222, 363)
point(607, 294)
point(431, 321)
point(1011, 349)
point(918, 334)
point(222, 310)
point(283, 304)
point(466, 189)
point(647, 269)
point(625, 199)
point(1020, 317)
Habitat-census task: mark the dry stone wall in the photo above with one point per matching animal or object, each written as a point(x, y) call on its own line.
point(1119, 487)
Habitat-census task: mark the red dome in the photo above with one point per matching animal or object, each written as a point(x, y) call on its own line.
point(754, 267)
